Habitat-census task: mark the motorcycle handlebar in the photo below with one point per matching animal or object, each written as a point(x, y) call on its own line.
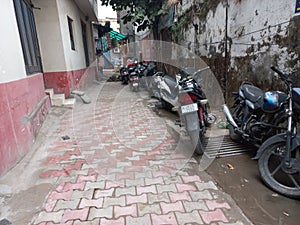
point(283, 76)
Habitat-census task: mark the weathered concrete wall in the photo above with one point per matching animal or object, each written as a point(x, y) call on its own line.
point(259, 34)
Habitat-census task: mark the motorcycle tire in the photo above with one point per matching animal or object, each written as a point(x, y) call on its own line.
point(283, 182)
point(233, 136)
point(197, 139)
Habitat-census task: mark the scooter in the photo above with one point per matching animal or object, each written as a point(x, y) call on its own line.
point(194, 109)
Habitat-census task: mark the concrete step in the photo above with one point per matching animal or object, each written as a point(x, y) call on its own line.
point(69, 103)
point(58, 99)
point(49, 92)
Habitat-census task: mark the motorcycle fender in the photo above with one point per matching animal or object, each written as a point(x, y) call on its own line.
point(276, 139)
point(192, 121)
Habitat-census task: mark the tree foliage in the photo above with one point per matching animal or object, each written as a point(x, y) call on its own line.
point(141, 13)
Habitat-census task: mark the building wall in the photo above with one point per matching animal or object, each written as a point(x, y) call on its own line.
point(64, 69)
point(49, 35)
point(12, 66)
point(259, 34)
point(23, 103)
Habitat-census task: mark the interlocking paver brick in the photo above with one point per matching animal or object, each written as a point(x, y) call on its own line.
point(123, 176)
point(83, 194)
point(120, 221)
point(43, 216)
point(66, 195)
point(70, 204)
point(188, 179)
point(148, 209)
point(200, 195)
point(97, 203)
point(166, 188)
point(94, 185)
point(135, 182)
point(136, 199)
point(171, 207)
point(174, 197)
point(80, 214)
point(144, 174)
point(199, 205)
point(156, 198)
point(110, 201)
point(93, 222)
point(164, 219)
point(146, 189)
point(157, 180)
point(172, 179)
point(213, 216)
point(125, 211)
point(144, 220)
point(189, 218)
point(100, 213)
point(216, 204)
point(73, 186)
point(206, 185)
point(125, 191)
point(103, 193)
point(185, 187)
point(112, 184)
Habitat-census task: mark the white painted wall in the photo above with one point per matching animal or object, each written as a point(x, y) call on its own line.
point(248, 25)
point(74, 59)
point(54, 38)
point(49, 35)
point(12, 66)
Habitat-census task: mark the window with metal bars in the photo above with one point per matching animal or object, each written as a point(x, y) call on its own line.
point(70, 25)
point(28, 36)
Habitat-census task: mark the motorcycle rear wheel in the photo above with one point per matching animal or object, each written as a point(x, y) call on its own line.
point(275, 175)
point(197, 139)
point(233, 136)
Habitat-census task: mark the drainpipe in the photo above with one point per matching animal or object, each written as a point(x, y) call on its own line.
point(225, 78)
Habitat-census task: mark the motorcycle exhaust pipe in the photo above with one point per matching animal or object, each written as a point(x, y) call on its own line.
point(229, 116)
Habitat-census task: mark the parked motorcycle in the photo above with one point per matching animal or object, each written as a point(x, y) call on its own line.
point(194, 109)
point(279, 156)
point(124, 75)
point(254, 118)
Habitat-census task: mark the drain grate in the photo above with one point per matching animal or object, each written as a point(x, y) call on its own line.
point(223, 146)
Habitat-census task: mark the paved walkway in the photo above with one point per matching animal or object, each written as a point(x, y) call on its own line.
point(111, 162)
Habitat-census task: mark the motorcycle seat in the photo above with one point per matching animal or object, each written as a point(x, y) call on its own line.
point(252, 93)
point(170, 81)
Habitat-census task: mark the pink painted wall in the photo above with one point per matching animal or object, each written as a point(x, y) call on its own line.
point(18, 99)
point(66, 81)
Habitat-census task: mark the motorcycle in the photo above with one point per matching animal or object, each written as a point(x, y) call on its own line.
point(279, 156)
point(126, 71)
point(254, 119)
point(124, 75)
point(194, 109)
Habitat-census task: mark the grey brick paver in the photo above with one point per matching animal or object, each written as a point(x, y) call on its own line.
point(101, 213)
point(51, 216)
point(144, 209)
point(111, 201)
point(199, 205)
point(166, 188)
point(144, 220)
point(200, 195)
point(125, 191)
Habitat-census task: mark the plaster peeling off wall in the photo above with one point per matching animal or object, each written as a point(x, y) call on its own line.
point(259, 34)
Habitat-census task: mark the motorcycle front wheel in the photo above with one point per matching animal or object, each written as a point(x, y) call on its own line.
point(282, 179)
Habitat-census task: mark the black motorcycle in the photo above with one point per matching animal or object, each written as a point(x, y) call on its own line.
point(124, 75)
point(255, 118)
point(194, 109)
point(279, 156)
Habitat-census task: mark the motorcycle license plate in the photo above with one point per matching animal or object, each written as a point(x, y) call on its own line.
point(189, 108)
point(135, 84)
